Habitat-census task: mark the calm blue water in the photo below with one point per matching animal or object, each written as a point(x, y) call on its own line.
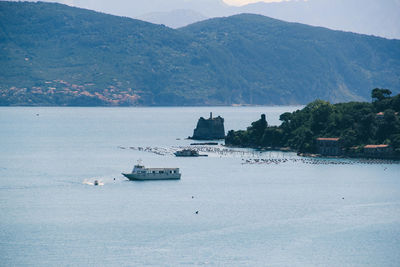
point(290, 214)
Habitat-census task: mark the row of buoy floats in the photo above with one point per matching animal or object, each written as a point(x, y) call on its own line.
point(259, 157)
point(220, 151)
point(313, 161)
point(155, 150)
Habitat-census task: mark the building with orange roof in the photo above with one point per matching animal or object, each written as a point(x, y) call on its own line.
point(378, 150)
point(329, 146)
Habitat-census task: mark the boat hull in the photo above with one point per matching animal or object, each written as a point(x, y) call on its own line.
point(152, 176)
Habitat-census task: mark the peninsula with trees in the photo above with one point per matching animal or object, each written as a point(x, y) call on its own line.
point(354, 129)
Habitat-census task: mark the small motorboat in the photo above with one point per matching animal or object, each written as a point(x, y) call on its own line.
point(188, 153)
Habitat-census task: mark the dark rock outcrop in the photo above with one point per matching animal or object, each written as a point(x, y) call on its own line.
point(209, 129)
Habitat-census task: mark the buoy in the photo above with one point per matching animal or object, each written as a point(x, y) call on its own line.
point(197, 212)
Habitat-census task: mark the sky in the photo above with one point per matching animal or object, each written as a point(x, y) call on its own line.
point(229, 2)
point(245, 2)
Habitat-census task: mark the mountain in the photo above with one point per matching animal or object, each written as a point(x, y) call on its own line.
point(291, 62)
point(54, 54)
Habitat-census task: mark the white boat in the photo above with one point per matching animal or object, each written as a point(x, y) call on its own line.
point(139, 172)
point(187, 153)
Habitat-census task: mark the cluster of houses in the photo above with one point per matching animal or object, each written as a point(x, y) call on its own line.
point(333, 147)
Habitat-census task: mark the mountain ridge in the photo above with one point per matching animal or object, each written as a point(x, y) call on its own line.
point(371, 17)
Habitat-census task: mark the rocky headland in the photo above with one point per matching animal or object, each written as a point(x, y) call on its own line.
point(209, 129)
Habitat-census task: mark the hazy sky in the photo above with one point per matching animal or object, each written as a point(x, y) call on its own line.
point(136, 8)
point(245, 2)
point(93, 2)
point(230, 2)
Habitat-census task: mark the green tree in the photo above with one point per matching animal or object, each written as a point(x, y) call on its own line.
point(272, 137)
point(303, 140)
point(348, 138)
point(388, 126)
point(321, 116)
point(395, 143)
point(380, 94)
point(285, 117)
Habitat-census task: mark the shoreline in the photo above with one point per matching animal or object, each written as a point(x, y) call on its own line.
point(315, 155)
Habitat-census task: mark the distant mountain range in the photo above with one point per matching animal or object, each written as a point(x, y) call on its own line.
point(54, 54)
point(373, 17)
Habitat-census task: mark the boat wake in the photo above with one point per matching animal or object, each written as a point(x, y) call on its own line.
point(93, 182)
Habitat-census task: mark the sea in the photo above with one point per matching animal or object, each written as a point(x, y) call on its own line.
point(236, 207)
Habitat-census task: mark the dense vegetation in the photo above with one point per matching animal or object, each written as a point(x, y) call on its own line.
point(52, 54)
point(355, 123)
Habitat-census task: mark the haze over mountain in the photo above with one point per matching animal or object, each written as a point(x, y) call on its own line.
point(174, 19)
point(373, 17)
point(53, 54)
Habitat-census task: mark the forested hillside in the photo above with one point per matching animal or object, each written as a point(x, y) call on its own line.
point(52, 54)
